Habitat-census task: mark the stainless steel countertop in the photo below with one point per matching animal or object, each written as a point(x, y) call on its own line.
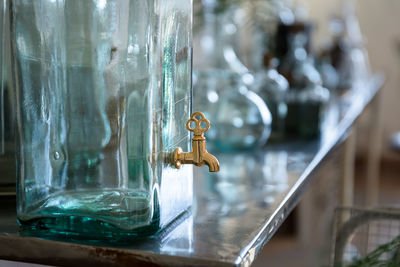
point(236, 211)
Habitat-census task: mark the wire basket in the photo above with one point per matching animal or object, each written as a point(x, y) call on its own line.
point(366, 237)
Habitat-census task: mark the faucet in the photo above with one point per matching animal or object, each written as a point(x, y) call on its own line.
point(199, 155)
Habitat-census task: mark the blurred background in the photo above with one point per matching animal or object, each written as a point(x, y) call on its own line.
point(378, 22)
point(299, 57)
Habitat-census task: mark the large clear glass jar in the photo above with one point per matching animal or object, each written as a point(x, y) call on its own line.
point(103, 91)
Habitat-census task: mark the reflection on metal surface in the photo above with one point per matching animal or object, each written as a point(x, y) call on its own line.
point(236, 211)
point(199, 155)
point(180, 240)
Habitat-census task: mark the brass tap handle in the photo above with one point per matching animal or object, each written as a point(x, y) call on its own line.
point(198, 130)
point(199, 155)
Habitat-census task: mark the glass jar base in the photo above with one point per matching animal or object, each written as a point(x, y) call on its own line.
point(84, 229)
point(63, 216)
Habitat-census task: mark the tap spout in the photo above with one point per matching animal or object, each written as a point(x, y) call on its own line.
point(212, 162)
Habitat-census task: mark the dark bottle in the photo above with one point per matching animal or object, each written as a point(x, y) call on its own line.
point(307, 98)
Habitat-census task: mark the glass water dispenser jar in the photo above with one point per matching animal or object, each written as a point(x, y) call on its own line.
point(103, 93)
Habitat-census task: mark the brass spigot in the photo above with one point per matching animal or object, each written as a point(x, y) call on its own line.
point(199, 155)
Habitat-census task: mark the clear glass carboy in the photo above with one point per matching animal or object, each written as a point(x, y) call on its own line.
point(222, 83)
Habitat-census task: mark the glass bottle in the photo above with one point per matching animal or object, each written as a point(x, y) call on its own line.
point(221, 83)
point(257, 23)
point(254, 27)
point(347, 51)
point(306, 99)
point(329, 75)
point(102, 93)
point(272, 87)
